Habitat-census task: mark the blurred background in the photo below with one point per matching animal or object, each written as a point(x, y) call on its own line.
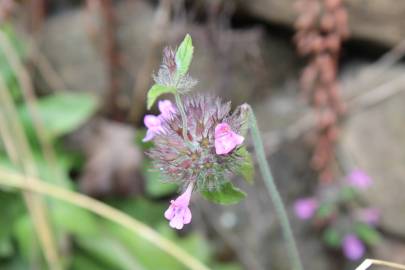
point(325, 78)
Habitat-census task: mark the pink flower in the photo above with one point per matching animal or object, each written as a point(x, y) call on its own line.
point(178, 212)
point(371, 216)
point(359, 179)
point(305, 208)
point(166, 109)
point(353, 247)
point(225, 139)
point(154, 125)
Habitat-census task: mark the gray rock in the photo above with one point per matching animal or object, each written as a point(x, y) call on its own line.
point(374, 140)
point(374, 20)
point(240, 64)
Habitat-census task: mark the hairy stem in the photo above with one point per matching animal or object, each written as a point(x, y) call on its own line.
point(274, 194)
point(12, 179)
point(179, 104)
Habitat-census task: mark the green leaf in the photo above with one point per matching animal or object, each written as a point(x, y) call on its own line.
point(246, 169)
point(324, 211)
point(225, 194)
point(184, 54)
point(110, 251)
point(61, 113)
point(24, 233)
point(156, 91)
point(332, 238)
point(367, 233)
point(66, 216)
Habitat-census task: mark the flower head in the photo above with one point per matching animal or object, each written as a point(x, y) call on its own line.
point(195, 159)
point(178, 212)
point(225, 139)
point(359, 179)
point(154, 125)
point(353, 247)
point(305, 208)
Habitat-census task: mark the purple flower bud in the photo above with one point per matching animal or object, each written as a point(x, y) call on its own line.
point(178, 212)
point(225, 139)
point(169, 59)
point(359, 179)
point(305, 208)
point(353, 247)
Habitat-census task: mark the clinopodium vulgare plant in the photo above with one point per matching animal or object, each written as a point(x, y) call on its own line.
point(199, 143)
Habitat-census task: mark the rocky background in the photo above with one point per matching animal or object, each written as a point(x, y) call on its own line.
point(244, 52)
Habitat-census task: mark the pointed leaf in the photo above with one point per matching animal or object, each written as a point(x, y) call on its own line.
point(332, 238)
point(368, 234)
point(184, 55)
point(225, 194)
point(156, 91)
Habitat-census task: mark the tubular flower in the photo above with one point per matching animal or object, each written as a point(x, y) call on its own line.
point(305, 208)
point(154, 125)
point(178, 212)
point(359, 179)
point(225, 139)
point(353, 247)
point(195, 159)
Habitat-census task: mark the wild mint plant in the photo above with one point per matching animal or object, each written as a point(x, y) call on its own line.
point(341, 218)
point(199, 143)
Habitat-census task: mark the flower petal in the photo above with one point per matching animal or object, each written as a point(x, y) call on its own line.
point(177, 222)
point(166, 109)
point(353, 247)
point(238, 139)
point(151, 121)
point(169, 213)
point(149, 135)
point(187, 216)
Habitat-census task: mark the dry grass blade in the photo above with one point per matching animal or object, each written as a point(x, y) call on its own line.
point(369, 262)
point(30, 100)
point(11, 179)
point(18, 150)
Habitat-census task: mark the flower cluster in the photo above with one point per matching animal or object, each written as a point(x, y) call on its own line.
point(198, 141)
point(341, 217)
point(321, 27)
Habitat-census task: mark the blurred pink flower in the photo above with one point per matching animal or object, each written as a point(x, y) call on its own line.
point(166, 109)
point(305, 208)
point(154, 125)
point(353, 247)
point(178, 212)
point(359, 179)
point(371, 216)
point(225, 139)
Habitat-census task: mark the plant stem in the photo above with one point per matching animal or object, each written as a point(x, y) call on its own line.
point(179, 104)
point(16, 180)
point(274, 194)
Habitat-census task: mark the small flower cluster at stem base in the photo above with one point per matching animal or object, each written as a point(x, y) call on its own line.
point(325, 212)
